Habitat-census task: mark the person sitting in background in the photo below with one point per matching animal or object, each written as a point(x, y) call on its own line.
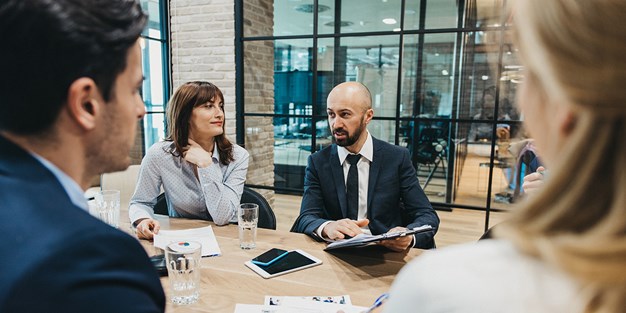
point(201, 171)
point(487, 105)
point(384, 194)
point(69, 105)
point(533, 182)
point(564, 250)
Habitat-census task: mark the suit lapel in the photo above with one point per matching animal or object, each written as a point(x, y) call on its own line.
point(374, 169)
point(340, 184)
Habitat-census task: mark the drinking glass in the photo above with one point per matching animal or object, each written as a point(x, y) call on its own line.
point(247, 218)
point(107, 207)
point(183, 269)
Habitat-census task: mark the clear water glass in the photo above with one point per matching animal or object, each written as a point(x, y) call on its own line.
point(183, 270)
point(247, 218)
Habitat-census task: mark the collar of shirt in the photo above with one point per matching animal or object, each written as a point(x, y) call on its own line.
point(216, 154)
point(367, 150)
point(73, 190)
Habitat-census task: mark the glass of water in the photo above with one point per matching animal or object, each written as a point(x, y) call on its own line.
point(183, 271)
point(107, 207)
point(247, 218)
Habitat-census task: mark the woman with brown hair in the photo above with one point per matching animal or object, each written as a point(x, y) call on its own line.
point(565, 249)
point(200, 170)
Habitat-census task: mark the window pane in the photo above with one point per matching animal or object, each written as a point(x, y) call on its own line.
point(427, 91)
point(292, 18)
point(293, 78)
point(291, 148)
point(153, 84)
point(371, 60)
point(154, 128)
point(489, 13)
point(360, 16)
point(441, 14)
point(153, 29)
point(383, 130)
point(412, 14)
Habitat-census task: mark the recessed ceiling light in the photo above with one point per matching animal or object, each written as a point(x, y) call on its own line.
point(308, 8)
point(341, 24)
point(397, 29)
point(444, 72)
point(389, 21)
point(484, 77)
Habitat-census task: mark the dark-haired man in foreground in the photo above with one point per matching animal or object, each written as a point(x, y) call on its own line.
point(69, 106)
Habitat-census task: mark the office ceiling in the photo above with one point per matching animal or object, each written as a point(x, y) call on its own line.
point(295, 17)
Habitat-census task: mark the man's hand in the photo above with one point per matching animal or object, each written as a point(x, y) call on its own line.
point(195, 154)
point(147, 228)
point(533, 182)
point(342, 228)
point(397, 244)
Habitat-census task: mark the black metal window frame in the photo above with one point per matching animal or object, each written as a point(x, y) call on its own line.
point(464, 6)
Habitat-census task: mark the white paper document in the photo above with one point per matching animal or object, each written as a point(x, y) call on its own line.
point(312, 307)
point(280, 304)
point(278, 300)
point(203, 235)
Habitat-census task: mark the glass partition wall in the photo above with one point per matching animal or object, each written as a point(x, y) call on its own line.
point(442, 73)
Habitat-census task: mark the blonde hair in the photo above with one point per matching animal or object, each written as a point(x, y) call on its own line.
point(574, 52)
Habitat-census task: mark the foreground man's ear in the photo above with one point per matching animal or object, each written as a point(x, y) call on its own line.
point(83, 103)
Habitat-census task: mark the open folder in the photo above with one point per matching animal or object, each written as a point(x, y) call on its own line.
point(361, 240)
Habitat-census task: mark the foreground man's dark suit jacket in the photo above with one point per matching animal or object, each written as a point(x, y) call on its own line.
point(55, 257)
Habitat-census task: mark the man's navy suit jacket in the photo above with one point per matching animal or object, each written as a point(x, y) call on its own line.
point(55, 257)
point(394, 196)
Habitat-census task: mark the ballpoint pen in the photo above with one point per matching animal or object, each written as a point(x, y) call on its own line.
point(378, 302)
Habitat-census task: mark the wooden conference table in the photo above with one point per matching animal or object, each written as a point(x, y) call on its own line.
point(363, 273)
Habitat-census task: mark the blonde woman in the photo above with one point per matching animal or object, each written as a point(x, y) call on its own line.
point(200, 170)
point(565, 251)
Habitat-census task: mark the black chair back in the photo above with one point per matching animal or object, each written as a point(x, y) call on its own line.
point(161, 206)
point(267, 219)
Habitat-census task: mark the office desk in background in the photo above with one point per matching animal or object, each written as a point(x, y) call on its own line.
point(363, 273)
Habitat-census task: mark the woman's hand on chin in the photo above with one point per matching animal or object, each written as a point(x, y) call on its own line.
point(195, 154)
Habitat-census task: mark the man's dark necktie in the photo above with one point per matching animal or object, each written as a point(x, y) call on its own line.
point(352, 186)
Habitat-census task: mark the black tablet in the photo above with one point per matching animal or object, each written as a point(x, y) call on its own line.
point(293, 261)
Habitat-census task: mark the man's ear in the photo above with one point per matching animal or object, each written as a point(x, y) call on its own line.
point(83, 102)
point(369, 114)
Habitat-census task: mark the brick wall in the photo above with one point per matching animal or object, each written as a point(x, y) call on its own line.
point(202, 36)
point(259, 91)
point(137, 151)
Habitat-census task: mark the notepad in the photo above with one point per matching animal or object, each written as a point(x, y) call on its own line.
point(361, 240)
point(203, 235)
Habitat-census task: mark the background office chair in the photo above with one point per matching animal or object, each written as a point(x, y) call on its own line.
point(431, 151)
point(161, 206)
point(267, 219)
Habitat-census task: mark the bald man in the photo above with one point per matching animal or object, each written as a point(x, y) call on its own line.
point(362, 184)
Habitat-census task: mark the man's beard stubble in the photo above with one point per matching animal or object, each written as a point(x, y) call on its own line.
point(350, 138)
point(111, 153)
